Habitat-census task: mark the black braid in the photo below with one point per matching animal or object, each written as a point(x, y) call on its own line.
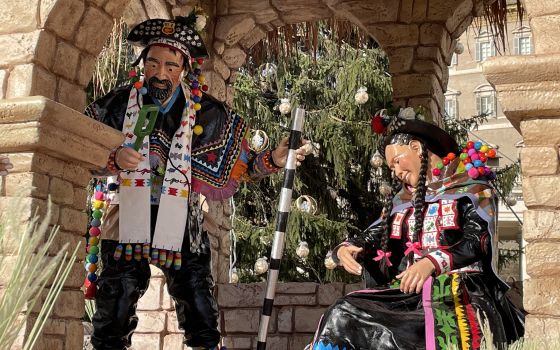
point(419, 201)
point(386, 214)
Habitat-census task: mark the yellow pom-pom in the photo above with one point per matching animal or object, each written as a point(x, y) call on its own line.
point(484, 149)
point(201, 79)
point(198, 129)
point(93, 240)
point(98, 204)
point(197, 106)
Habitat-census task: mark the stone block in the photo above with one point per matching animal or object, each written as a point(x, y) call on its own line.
point(85, 69)
point(148, 341)
point(241, 320)
point(405, 13)
point(285, 316)
point(181, 10)
point(234, 57)
point(230, 29)
point(296, 299)
point(173, 342)
point(49, 343)
point(62, 17)
point(78, 274)
point(462, 27)
point(277, 342)
point(172, 323)
point(18, 16)
point(541, 224)
point(427, 66)
point(300, 341)
point(71, 240)
point(349, 288)
point(74, 335)
point(55, 326)
point(44, 50)
point(440, 10)
point(27, 185)
point(156, 9)
point(62, 192)
point(92, 33)
point(400, 59)
point(71, 95)
point(541, 132)
point(393, 34)
point(73, 220)
point(236, 342)
point(541, 27)
point(22, 47)
point(115, 8)
point(220, 67)
point(541, 191)
point(166, 300)
point(216, 85)
point(543, 330)
point(79, 201)
point(539, 161)
point(419, 10)
point(416, 84)
point(70, 304)
point(30, 79)
point(219, 47)
point(307, 319)
point(540, 296)
point(21, 210)
point(66, 60)
point(460, 13)
point(134, 13)
point(151, 321)
point(543, 259)
point(151, 300)
point(329, 293)
point(296, 288)
point(253, 37)
point(541, 8)
point(240, 295)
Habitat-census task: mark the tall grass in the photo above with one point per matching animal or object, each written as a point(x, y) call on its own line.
point(26, 269)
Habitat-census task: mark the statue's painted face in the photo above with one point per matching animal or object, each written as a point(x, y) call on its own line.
point(404, 161)
point(163, 70)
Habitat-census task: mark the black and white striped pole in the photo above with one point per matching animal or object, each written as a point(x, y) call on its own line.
point(281, 222)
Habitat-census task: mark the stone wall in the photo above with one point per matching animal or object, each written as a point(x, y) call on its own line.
point(528, 88)
point(297, 310)
point(52, 148)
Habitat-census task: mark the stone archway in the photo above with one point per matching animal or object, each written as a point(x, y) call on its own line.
point(50, 48)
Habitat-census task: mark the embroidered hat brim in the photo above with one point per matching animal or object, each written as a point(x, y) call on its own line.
point(438, 141)
point(175, 33)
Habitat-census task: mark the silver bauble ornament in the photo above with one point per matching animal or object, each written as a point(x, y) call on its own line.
point(306, 204)
point(459, 48)
point(376, 160)
point(511, 201)
point(361, 95)
point(302, 250)
point(259, 141)
point(234, 278)
point(261, 266)
point(285, 106)
point(385, 188)
point(329, 263)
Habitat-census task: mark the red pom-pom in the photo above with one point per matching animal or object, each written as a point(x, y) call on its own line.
point(466, 160)
point(470, 145)
point(465, 150)
point(436, 172)
point(451, 156)
point(200, 61)
point(481, 171)
point(445, 161)
point(91, 289)
point(482, 158)
point(204, 88)
point(132, 73)
point(491, 153)
point(377, 125)
point(195, 91)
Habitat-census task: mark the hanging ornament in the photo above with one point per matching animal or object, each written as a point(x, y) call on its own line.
point(511, 200)
point(259, 141)
point(385, 189)
point(285, 106)
point(92, 249)
point(330, 264)
point(306, 204)
point(302, 250)
point(376, 160)
point(473, 158)
point(361, 95)
point(261, 266)
point(234, 277)
point(459, 48)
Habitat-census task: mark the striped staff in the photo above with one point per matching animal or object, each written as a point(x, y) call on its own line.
point(281, 222)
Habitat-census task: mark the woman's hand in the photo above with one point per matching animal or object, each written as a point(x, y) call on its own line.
point(280, 154)
point(413, 278)
point(127, 158)
point(347, 257)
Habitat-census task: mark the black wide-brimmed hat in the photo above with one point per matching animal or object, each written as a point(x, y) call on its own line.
point(178, 33)
point(437, 140)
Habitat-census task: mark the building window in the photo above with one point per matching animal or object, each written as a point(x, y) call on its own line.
point(451, 103)
point(486, 100)
point(484, 46)
point(522, 41)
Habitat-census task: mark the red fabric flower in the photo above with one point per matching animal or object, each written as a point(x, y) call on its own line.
point(377, 125)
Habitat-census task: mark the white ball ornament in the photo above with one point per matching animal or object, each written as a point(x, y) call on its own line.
point(285, 106)
point(361, 95)
point(302, 250)
point(261, 266)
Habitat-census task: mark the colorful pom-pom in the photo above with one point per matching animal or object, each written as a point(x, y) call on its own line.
point(92, 277)
point(477, 163)
point(491, 153)
point(473, 173)
point(138, 85)
point(466, 161)
point(451, 156)
point(118, 252)
point(112, 186)
point(198, 129)
point(463, 156)
point(92, 267)
point(445, 161)
point(177, 261)
point(146, 251)
point(93, 240)
point(169, 260)
point(138, 252)
point(484, 148)
point(99, 196)
point(92, 258)
point(200, 61)
point(204, 87)
point(95, 223)
point(197, 106)
point(470, 144)
point(97, 214)
point(436, 172)
point(93, 249)
point(477, 145)
point(128, 252)
point(468, 166)
point(155, 256)
point(143, 90)
point(94, 231)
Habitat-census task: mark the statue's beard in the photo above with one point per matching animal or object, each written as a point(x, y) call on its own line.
point(157, 93)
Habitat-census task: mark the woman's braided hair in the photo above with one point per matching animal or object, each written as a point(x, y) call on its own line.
point(418, 199)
